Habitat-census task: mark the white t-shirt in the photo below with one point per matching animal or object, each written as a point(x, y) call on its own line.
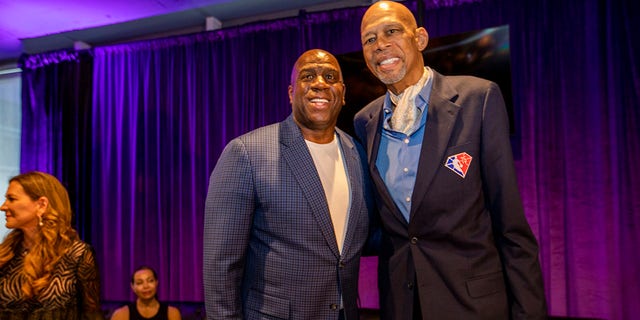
point(329, 163)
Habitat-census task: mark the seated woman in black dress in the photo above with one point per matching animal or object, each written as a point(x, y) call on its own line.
point(144, 284)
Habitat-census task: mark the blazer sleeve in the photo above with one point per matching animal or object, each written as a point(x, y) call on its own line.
point(228, 216)
point(514, 239)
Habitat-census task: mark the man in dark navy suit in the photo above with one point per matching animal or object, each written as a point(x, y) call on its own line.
point(456, 243)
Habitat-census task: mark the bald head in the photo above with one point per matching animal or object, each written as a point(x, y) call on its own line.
point(395, 10)
point(314, 55)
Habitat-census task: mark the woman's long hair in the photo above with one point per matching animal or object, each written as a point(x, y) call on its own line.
point(55, 236)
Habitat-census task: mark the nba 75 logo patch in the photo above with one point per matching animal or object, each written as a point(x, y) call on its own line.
point(459, 163)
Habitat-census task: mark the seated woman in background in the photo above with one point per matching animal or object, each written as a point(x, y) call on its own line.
point(46, 271)
point(144, 284)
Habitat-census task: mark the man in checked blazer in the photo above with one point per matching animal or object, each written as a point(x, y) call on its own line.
point(456, 244)
point(287, 212)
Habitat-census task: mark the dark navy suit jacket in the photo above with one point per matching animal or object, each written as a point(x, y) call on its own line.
point(468, 248)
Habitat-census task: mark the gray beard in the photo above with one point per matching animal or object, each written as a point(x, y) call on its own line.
point(392, 78)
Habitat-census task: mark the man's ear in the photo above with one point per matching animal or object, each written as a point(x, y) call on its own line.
point(422, 38)
point(290, 94)
point(344, 94)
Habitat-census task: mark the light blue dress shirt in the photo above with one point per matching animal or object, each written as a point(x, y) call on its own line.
point(399, 153)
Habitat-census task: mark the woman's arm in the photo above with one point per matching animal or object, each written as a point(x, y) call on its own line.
point(88, 279)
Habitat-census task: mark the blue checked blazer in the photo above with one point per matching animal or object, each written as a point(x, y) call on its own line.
point(269, 247)
point(467, 248)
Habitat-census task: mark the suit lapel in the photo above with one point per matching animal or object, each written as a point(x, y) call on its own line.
point(352, 164)
point(374, 129)
point(442, 114)
point(371, 127)
point(298, 158)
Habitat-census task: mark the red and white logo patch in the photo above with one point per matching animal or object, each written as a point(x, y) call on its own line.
point(459, 163)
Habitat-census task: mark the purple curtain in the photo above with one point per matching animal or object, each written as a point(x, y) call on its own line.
point(162, 110)
point(56, 108)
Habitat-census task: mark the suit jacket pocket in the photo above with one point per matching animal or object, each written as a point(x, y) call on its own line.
point(267, 305)
point(486, 285)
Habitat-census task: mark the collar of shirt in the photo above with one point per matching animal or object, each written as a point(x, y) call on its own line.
point(399, 154)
